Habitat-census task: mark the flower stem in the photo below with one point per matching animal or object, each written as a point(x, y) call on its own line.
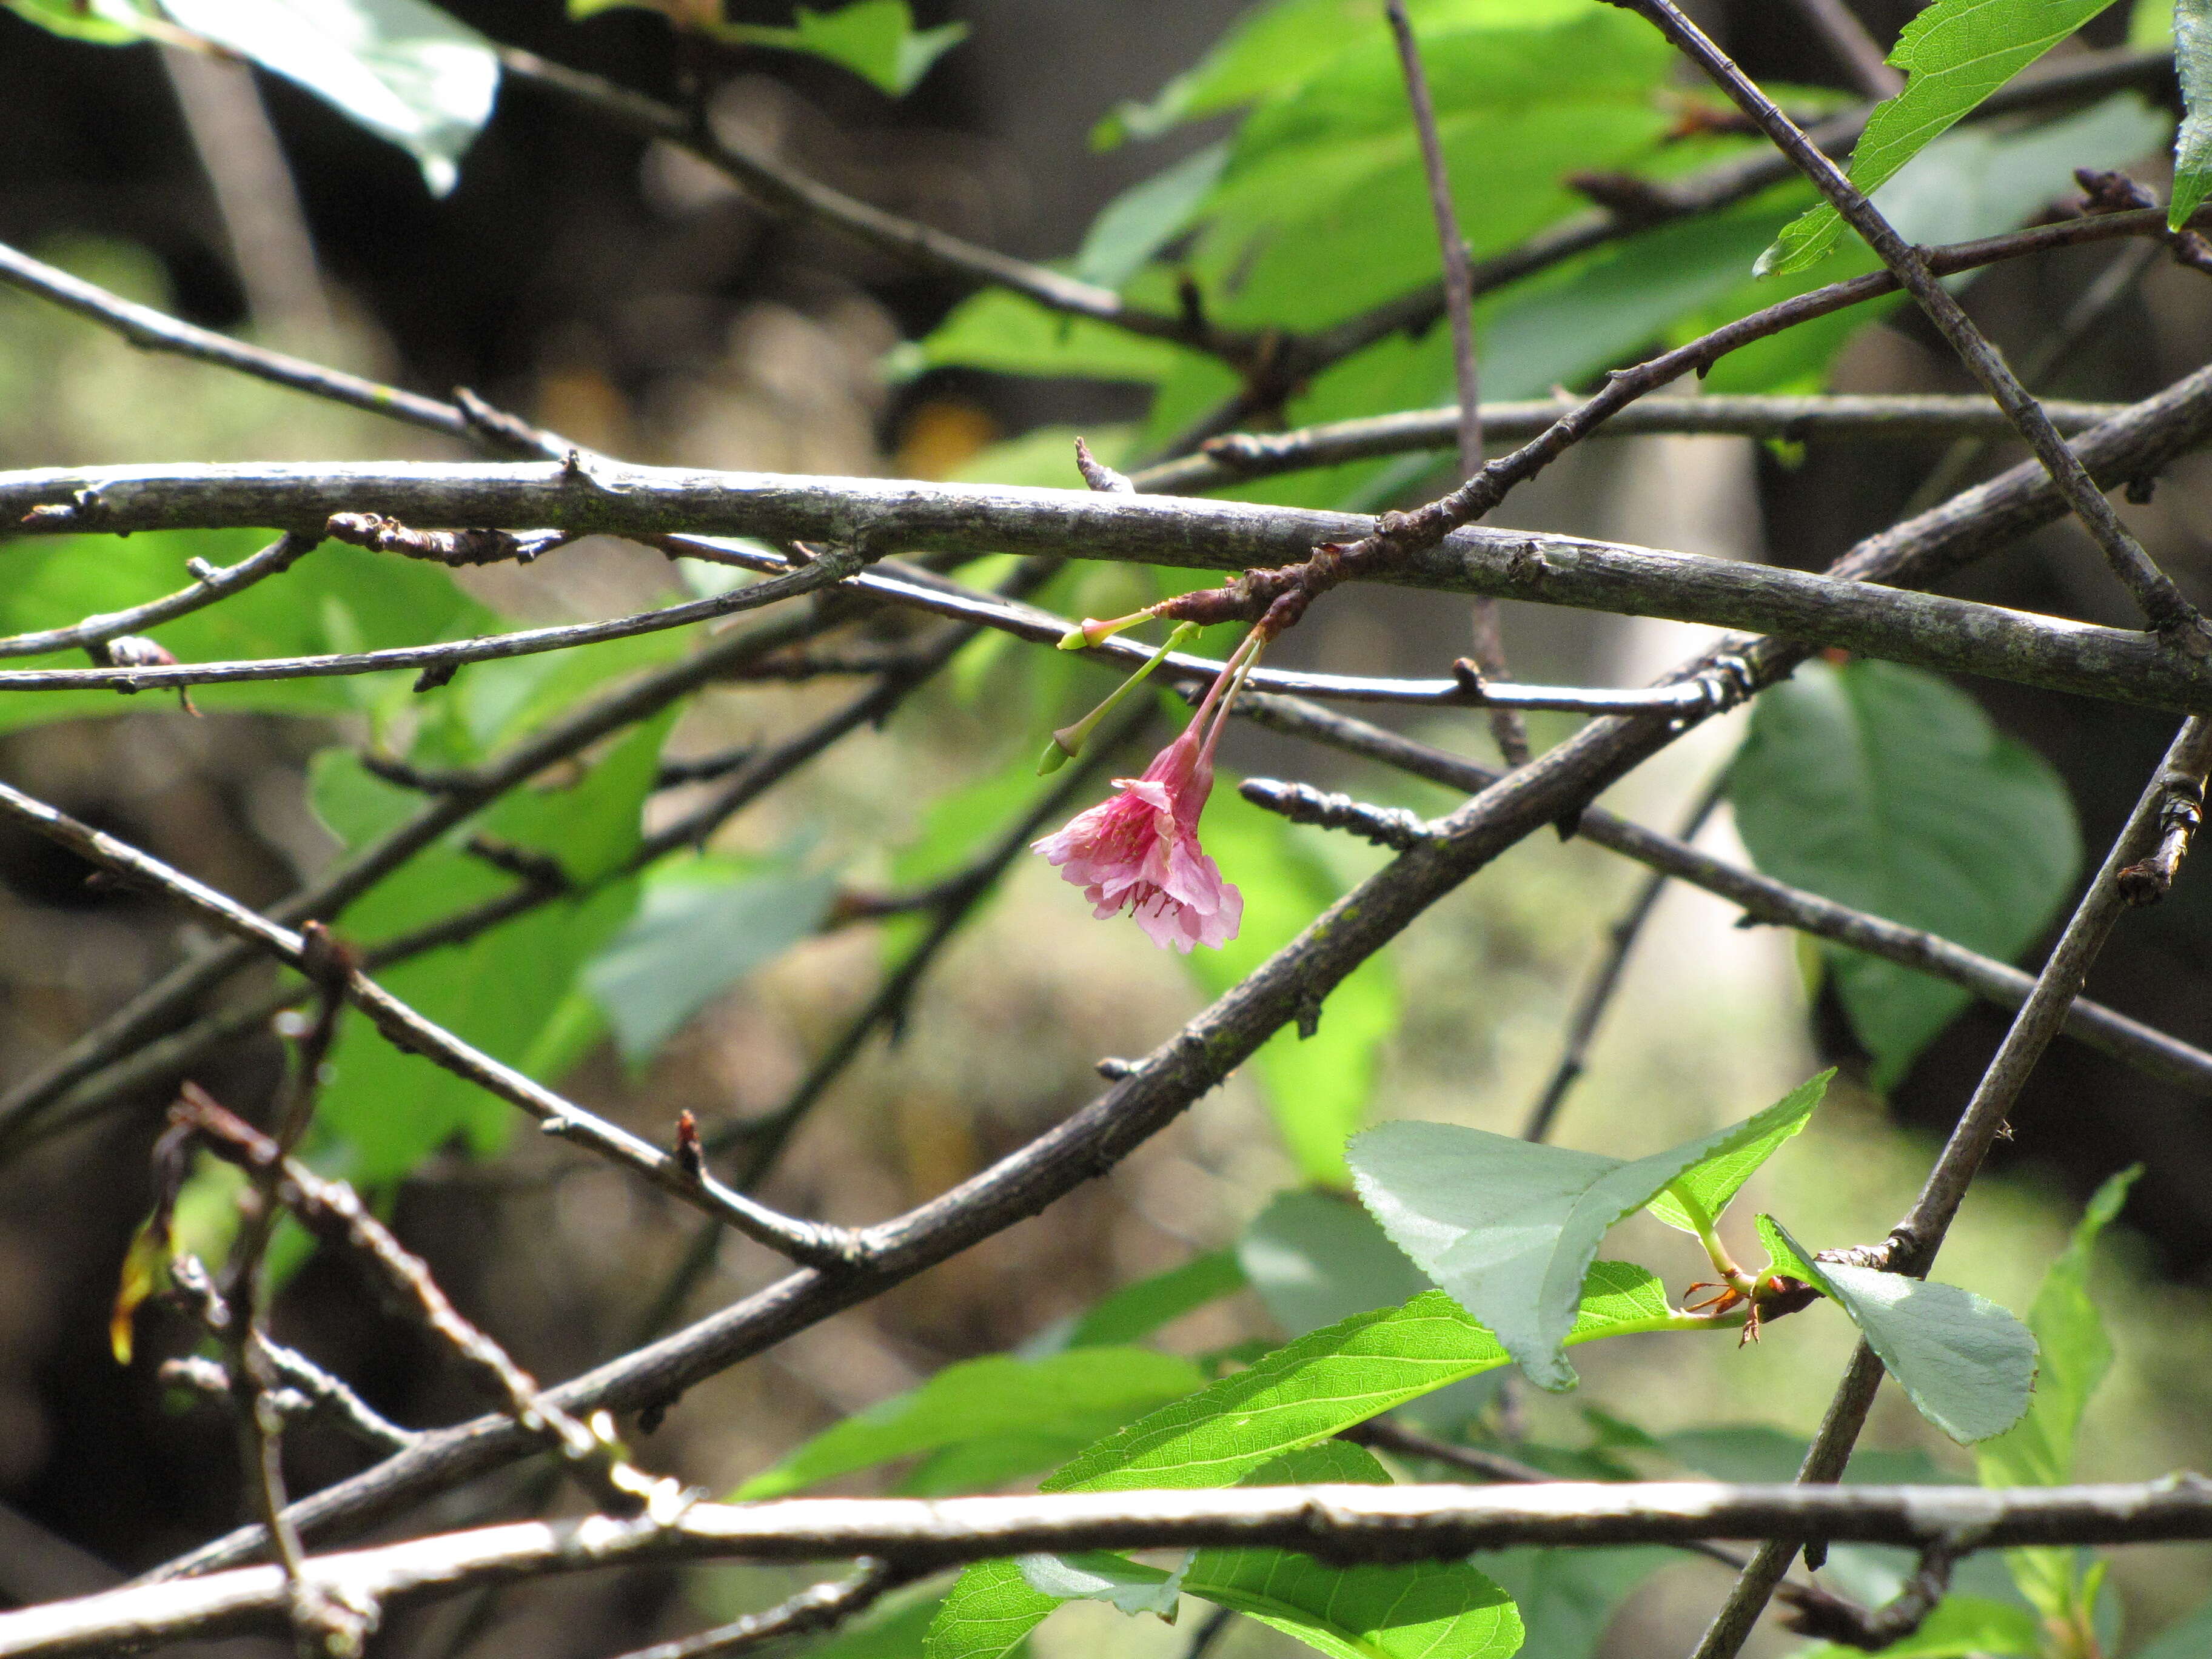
point(1068, 741)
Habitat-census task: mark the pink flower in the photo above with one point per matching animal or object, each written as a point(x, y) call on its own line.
point(1140, 849)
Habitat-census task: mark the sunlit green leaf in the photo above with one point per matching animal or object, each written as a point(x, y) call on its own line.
point(1714, 1183)
point(1509, 1227)
point(1955, 53)
point(1966, 1362)
point(874, 39)
point(1135, 1311)
point(1051, 1407)
point(1409, 1611)
point(403, 68)
point(336, 598)
point(104, 22)
point(1884, 788)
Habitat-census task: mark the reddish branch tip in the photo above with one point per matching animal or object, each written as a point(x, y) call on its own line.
point(689, 1156)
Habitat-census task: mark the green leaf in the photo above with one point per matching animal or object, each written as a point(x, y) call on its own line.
point(1509, 1228)
point(1715, 1182)
point(592, 827)
point(508, 992)
point(874, 39)
point(1318, 1087)
point(988, 1612)
point(403, 69)
point(895, 1628)
point(2150, 25)
point(1368, 1611)
point(2039, 1450)
point(1002, 331)
point(1127, 1586)
point(697, 933)
point(2192, 149)
point(1886, 789)
point(1955, 54)
point(1966, 1362)
point(103, 23)
point(1137, 1310)
point(1526, 93)
point(1331, 1379)
point(1040, 1410)
point(1567, 1597)
point(1782, 1255)
point(1145, 218)
point(1961, 1627)
point(1317, 1258)
point(336, 598)
point(1295, 1397)
point(2077, 1353)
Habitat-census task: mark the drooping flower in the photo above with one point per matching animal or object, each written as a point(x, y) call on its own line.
point(1139, 850)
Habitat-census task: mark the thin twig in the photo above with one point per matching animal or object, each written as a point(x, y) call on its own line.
point(2153, 591)
point(318, 1392)
point(823, 1607)
point(1915, 1240)
point(334, 1212)
point(783, 188)
point(2085, 75)
point(1506, 725)
point(1761, 898)
point(2044, 359)
point(154, 1010)
point(209, 584)
point(403, 1026)
point(439, 658)
point(1598, 990)
point(1236, 456)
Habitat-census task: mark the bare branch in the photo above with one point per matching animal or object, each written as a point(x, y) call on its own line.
point(1337, 1524)
point(1236, 456)
point(2153, 591)
point(1928, 630)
